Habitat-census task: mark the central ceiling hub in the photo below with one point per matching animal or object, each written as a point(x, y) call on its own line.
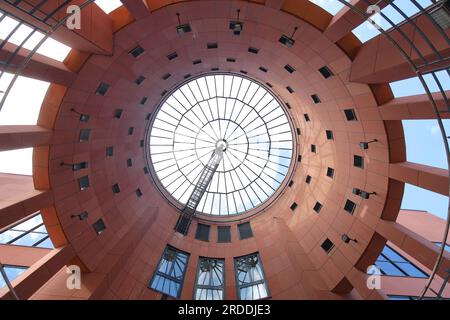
point(222, 144)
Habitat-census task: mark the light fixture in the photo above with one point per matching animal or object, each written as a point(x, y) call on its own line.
point(82, 216)
point(237, 26)
point(346, 239)
point(365, 145)
point(83, 117)
point(182, 28)
point(288, 41)
point(441, 14)
point(363, 194)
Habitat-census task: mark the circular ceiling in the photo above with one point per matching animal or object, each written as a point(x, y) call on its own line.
point(232, 113)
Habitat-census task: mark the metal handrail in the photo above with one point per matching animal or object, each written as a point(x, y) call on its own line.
point(416, 68)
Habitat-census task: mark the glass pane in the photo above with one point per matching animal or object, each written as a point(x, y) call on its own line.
point(389, 269)
point(9, 235)
point(29, 239)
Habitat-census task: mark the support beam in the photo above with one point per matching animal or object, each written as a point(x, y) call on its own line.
point(95, 36)
point(19, 198)
point(358, 280)
point(413, 244)
point(430, 178)
point(138, 8)
point(18, 137)
point(39, 67)
point(414, 107)
point(389, 64)
point(38, 274)
point(346, 20)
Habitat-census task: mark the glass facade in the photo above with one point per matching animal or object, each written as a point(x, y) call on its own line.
point(391, 263)
point(210, 283)
point(230, 109)
point(169, 276)
point(250, 279)
point(31, 233)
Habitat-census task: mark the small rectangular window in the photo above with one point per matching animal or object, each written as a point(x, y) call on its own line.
point(350, 115)
point(245, 230)
point(141, 143)
point(327, 245)
point(299, 158)
point(145, 170)
point(139, 80)
point(172, 56)
point(269, 84)
point(109, 151)
point(358, 161)
point(187, 76)
point(329, 134)
point(163, 93)
point(198, 61)
point(129, 163)
point(290, 89)
point(99, 226)
point(202, 232)
point(253, 50)
point(308, 179)
point(243, 72)
point(306, 117)
point(317, 207)
point(299, 132)
point(215, 69)
point(289, 68)
point(263, 69)
point(330, 172)
point(83, 183)
point(313, 148)
point(288, 105)
point(231, 60)
point(326, 72)
point(166, 76)
point(138, 193)
point(148, 116)
point(212, 45)
point(315, 98)
point(169, 274)
point(130, 131)
point(223, 234)
point(294, 206)
point(84, 134)
point(102, 89)
point(118, 113)
point(136, 52)
point(349, 206)
point(143, 100)
point(115, 188)
point(291, 183)
point(79, 166)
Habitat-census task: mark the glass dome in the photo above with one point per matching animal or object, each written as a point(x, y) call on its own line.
point(242, 117)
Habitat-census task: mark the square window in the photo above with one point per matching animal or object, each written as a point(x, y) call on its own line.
point(139, 80)
point(289, 68)
point(197, 61)
point(202, 232)
point(291, 183)
point(99, 226)
point(269, 84)
point(327, 245)
point(130, 131)
point(245, 230)
point(288, 88)
point(298, 131)
point(243, 72)
point(308, 179)
point(329, 134)
point(317, 207)
point(79, 166)
point(315, 98)
point(231, 60)
point(349, 206)
point(187, 76)
point(253, 50)
point(84, 134)
point(293, 206)
point(330, 172)
point(358, 161)
point(212, 45)
point(307, 117)
point(149, 115)
point(138, 193)
point(223, 234)
point(288, 105)
point(143, 100)
point(299, 158)
point(166, 76)
point(118, 113)
point(313, 148)
point(326, 72)
point(115, 188)
point(83, 183)
point(137, 51)
point(350, 115)
point(172, 56)
point(145, 170)
point(109, 151)
point(263, 69)
point(102, 89)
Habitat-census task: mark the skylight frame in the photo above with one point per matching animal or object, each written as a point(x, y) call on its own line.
point(226, 206)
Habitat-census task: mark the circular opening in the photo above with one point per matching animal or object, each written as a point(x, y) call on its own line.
point(228, 114)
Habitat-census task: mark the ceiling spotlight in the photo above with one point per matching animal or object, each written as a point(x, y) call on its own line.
point(346, 239)
point(182, 28)
point(288, 41)
point(83, 117)
point(82, 216)
point(363, 194)
point(365, 145)
point(237, 26)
